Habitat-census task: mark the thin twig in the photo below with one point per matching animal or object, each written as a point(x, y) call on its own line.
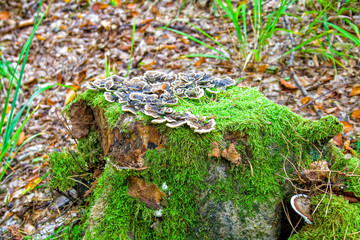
point(324, 94)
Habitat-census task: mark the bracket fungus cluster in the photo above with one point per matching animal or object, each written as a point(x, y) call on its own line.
point(155, 93)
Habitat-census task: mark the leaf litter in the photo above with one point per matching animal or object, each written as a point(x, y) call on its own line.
point(75, 40)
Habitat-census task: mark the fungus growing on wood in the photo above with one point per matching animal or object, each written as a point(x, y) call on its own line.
point(149, 194)
point(154, 93)
point(231, 154)
point(301, 204)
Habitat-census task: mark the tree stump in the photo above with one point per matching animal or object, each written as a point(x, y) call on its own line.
point(167, 183)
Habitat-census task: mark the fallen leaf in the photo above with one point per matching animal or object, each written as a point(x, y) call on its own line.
point(356, 114)
point(29, 229)
point(320, 106)
point(149, 194)
point(5, 15)
point(149, 40)
point(173, 46)
point(305, 100)
point(338, 140)
point(347, 146)
point(347, 126)
point(98, 5)
point(355, 91)
point(215, 151)
point(149, 20)
point(262, 68)
point(80, 77)
point(287, 84)
point(199, 62)
point(21, 138)
point(40, 37)
point(331, 110)
point(185, 40)
point(69, 96)
point(350, 196)
point(49, 102)
point(32, 184)
point(149, 66)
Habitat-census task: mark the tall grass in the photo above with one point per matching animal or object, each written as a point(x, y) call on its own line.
point(11, 124)
point(262, 27)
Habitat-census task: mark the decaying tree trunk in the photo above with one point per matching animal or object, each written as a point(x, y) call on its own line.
point(227, 184)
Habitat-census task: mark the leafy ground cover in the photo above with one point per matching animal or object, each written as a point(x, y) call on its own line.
point(77, 38)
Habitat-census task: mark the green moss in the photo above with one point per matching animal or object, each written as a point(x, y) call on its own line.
point(270, 133)
point(349, 165)
point(335, 218)
point(65, 165)
point(270, 130)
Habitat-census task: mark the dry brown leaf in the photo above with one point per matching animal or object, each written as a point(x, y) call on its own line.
point(69, 96)
point(347, 126)
point(287, 84)
point(21, 138)
point(356, 114)
point(33, 183)
point(149, 66)
point(215, 151)
point(199, 62)
point(149, 194)
point(49, 102)
point(173, 46)
point(40, 37)
point(80, 77)
point(305, 100)
point(320, 106)
point(98, 5)
point(149, 40)
point(262, 68)
point(5, 15)
point(355, 91)
point(185, 40)
point(338, 140)
point(331, 110)
point(146, 21)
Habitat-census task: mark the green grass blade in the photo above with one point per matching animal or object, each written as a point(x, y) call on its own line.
point(204, 55)
point(8, 131)
point(346, 34)
point(354, 27)
point(132, 47)
point(306, 42)
point(202, 32)
point(194, 39)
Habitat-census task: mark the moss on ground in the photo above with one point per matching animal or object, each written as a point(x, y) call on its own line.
point(66, 166)
point(335, 218)
point(272, 131)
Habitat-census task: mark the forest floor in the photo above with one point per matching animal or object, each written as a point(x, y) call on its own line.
point(75, 39)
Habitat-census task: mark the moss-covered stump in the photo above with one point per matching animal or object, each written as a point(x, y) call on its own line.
point(164, 183)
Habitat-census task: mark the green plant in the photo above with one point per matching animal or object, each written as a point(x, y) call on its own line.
point(324, 27)
point(263, 30)
point(132, 47)
point(9, 124)
point(7, 70)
